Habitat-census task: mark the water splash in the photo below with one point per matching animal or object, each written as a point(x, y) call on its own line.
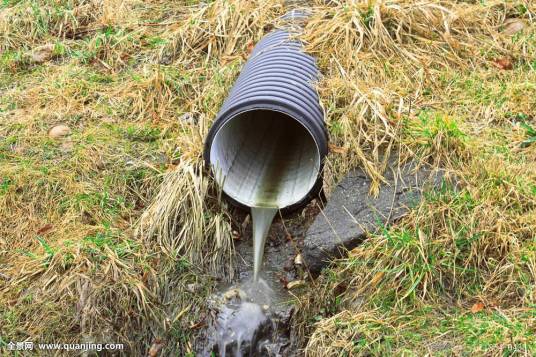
point(244, 325)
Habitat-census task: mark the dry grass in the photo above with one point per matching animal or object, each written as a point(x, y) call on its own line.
point(182, 224)
point(429, 80)
point(411, 289)
point(381, 62)
point(139, 83)
point(139, 103)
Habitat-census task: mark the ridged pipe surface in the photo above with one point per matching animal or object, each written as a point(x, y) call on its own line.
point(279, 78)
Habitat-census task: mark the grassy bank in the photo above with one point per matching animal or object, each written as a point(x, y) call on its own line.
point(449, 83)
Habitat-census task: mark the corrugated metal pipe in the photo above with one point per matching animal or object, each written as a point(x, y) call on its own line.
point(268, 142)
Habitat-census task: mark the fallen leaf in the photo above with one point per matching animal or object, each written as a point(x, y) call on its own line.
point(251, 46)
point(295, 284)
point(503, 63)
point(377, 277)
point(228, 59)
point(479, 306)
point(337, 149)
point(155, 347)
point(513, 26)
point(170, 167)
point(45, 229)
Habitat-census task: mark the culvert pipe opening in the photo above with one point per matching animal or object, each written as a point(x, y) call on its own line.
point(265, 158)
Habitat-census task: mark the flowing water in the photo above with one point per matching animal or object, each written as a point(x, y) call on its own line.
point(247, 325)
point(249, 320)
point(262, 218)
point(243, 326)
point(252, 320)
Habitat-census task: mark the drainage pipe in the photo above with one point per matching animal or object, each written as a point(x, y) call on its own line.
point(268, 142)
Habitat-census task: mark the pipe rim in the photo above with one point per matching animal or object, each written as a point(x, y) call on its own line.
point(314, 186)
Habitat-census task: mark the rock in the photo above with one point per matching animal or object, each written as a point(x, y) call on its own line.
point(59, 131)
point(41, 54)
point(513, 26)
point(351, 212)
point(188, 118)
point(298, 260)
point(234, 294)
point(194, 287)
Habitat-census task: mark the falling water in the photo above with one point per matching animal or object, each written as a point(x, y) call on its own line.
point(282, 166)
point(262, 218)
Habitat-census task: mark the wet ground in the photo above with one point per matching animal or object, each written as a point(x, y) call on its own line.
point(283, 245)
point(253, 320)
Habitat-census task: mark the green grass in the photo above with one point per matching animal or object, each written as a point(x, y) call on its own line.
point(121, 78)
point(414, 332)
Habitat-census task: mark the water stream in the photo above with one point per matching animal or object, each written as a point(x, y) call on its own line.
point(244, 325)
point(283, 167)
point(251, 317)
point(262, 218)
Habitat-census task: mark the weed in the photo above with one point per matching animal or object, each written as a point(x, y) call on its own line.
point(142, 133)
point(531, 134)
point(5, 183)
point(48, 250)
point(436, 136)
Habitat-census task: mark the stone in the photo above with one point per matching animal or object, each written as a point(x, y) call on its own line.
point(234, 294)
point(194, 288)
point(59, 131)
point(42, 54)
point(351, 213)
point(188, 118)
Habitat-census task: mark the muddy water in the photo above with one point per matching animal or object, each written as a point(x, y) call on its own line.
point(244, 325)
point(262, 218)
point(250, 324)
point(231, 313)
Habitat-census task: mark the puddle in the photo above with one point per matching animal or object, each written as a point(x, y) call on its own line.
point(263, 309)
point(248, 322)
